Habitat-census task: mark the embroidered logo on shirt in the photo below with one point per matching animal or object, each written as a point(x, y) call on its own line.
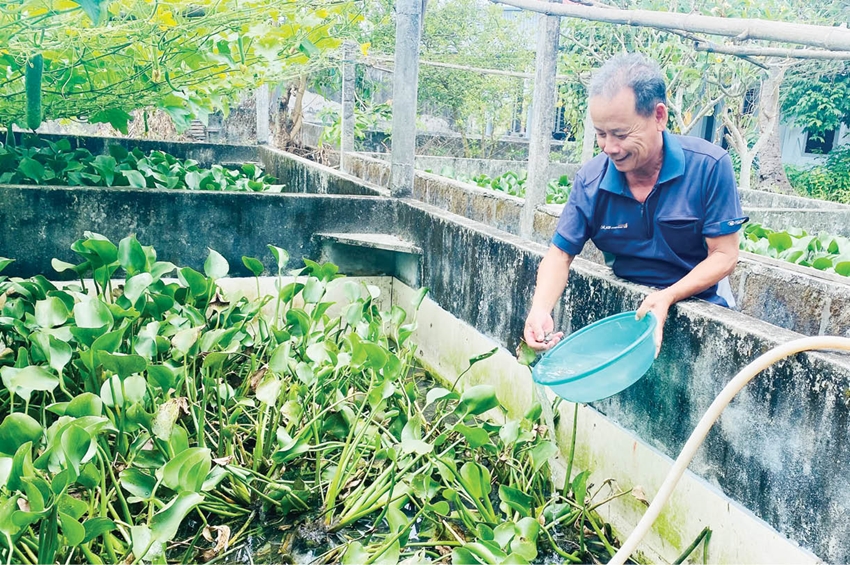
point(617, 227)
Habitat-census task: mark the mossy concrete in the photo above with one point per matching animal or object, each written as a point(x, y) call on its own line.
point(780, 449)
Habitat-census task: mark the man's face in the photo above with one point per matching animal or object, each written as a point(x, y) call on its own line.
point(633, 142)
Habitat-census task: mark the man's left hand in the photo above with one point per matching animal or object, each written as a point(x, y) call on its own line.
point(658, 303)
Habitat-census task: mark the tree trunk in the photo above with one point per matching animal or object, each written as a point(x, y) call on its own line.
point(771, 173)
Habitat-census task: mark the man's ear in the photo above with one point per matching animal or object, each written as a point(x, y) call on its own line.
point(661, 116)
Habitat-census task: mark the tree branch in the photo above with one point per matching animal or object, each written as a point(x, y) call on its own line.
point(709, 47)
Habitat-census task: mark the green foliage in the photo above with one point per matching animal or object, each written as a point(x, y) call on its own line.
point(39, 161)
point(365, 119)
point(474, 34)
point(557, 190)
point(104, 58)
point(830, 253)
point(136, 411)
point(817, 96)
point(829, 181)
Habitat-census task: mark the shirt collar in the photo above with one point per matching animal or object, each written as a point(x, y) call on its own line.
point(672, 167)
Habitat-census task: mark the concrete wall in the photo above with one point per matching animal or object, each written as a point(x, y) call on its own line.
point(751, 198)
point(781, 449)
point(40, 223)
point(298, 175)
point(473, 167)
point(438, 143)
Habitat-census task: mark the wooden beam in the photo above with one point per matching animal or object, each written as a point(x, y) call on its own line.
point(832, 38)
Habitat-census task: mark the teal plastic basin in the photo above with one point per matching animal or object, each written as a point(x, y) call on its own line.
point(599, 360)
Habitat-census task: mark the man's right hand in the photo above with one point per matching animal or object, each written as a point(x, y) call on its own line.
point(539, 331)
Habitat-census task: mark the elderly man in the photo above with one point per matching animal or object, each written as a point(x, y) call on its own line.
point(663, 208)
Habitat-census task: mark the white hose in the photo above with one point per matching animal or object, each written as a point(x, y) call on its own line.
point(708, 419)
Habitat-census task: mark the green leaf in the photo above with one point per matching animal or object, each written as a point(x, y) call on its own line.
point(51, 312)
point(355, 554)
point(268, 390)
point(475, 436)
point(131, 255)
point(580, 487)
point(76, 444)
point(780, 241)
point(216, 266)
point(477, 479)
point(822, 263)
point(516, 500)
point(122, 364)
point(411, 438)
point(843, 268)
point(135, 178)
point(541, 453)
point(253, 265)
point(96, 527)
point(525, 355)
point(281, 256)
point(92, 313)
point(163, 527)
point(23, 382)
point(187, 471)
point(194, 281)
point(437, 393)
point(4, 262)
point(477, 400)
point(116, 117)
point(462, 556)
point(313, 290)
point(32, 169)
point(85, 404)
point(279, 360)
point(483, 356)
point(18, 429)
point(137, 482)
point(308, 48)
point(136, 285)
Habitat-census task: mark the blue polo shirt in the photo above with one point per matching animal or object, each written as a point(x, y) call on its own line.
point(661, 240)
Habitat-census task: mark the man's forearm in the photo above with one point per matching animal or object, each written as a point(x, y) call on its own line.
point(552, 276)
point(705, 275)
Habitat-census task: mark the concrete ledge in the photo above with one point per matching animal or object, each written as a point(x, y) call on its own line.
point(304, 176)
point(373, 254)
point(761, 199)
point(474, 167)
point(813, 220)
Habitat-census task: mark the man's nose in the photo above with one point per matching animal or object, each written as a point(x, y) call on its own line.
point(611, 148)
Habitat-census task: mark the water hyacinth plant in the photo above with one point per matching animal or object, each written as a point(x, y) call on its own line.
point(43, 162)
point(148, 416)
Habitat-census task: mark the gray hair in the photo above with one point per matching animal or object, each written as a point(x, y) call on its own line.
point(634, 71)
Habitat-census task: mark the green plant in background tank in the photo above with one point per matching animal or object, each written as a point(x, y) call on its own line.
point(828, 181)
point(147, 418)
point(824, 252)
point(40, 161)
point(557, 190)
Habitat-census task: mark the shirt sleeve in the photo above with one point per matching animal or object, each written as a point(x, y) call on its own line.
point(573, 229)
point(723, 214)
